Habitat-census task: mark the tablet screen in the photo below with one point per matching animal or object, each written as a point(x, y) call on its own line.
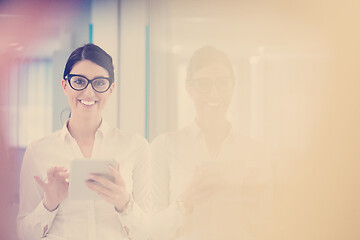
point(80, 169)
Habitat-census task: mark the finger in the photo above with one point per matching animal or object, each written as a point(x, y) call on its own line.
point(117, 176)
point(207, 191)
point(62, 175)
point(206, 179)
point(109, 196)
point(205, 195)
point(50, 173)
point(60, 169)
point(208, 175)
point(106, 198)
point(65, 175)
point(65, 169)
point(40, 182)
point(103, 181)
point(215, 185)
point(210, 184)
point(99, 188)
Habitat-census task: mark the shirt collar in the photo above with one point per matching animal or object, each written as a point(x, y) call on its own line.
point(195, 130)
point(104, 129)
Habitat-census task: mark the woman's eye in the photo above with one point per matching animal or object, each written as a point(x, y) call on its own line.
point(100, 83)
point(204, 83)
point(79, 81)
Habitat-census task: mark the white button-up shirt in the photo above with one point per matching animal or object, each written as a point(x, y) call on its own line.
point(240, 210)
point(91, 219)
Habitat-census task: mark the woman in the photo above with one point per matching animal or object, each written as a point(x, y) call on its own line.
point(45, 211)
point(208, 180)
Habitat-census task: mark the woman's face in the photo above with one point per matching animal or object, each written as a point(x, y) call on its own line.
point(211, 89)
point(87, 103)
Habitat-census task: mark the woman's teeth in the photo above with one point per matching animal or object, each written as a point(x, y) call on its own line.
point(87, 103)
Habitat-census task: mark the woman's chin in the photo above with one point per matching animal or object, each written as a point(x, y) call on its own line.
point(213, 113)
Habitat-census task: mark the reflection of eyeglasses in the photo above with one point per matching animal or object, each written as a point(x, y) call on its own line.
point(204, 85)
point(79, 83)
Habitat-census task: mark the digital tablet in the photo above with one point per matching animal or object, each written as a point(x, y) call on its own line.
point(80, 169)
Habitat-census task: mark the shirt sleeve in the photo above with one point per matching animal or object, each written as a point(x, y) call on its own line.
point(137, 221)
point(34, 220)
point(166, 217)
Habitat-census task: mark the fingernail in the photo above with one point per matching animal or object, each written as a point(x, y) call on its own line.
point(91, 176)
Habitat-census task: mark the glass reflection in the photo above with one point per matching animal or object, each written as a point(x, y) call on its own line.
point(210, 181)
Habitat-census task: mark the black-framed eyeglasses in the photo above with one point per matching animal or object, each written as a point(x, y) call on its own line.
point(204, 85)
point(80, 82)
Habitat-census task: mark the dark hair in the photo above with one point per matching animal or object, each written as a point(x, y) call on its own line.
point(206, 56)
point(93, 53)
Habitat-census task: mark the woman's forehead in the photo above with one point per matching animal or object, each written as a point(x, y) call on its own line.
point(89, 69)
point(213, 70)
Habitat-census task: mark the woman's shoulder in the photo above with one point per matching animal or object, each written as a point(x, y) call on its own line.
point(173, 136)
point(47, 141)
point(169, 138)
point(129, 137)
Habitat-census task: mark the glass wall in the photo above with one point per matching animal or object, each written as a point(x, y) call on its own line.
point(281, 67)
point(278, 74)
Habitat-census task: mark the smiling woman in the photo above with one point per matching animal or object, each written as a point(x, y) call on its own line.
point(87, 100)
point(45, 209)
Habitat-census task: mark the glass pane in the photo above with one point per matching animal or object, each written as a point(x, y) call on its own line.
point(266, 121)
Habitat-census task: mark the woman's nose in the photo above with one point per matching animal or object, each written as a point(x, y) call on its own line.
point(89, 91)
point(213, 91)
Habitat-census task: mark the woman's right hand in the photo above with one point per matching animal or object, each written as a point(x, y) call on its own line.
point(56, 187)
point(205, 183)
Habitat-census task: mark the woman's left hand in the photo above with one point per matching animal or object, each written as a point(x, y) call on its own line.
point(113, 192)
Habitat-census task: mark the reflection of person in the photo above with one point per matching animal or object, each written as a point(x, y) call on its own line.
point(209, 182)
point(45, 210)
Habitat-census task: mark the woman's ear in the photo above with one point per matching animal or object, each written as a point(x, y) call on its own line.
point(63, 84)
point(111, 87)
point(189, 90)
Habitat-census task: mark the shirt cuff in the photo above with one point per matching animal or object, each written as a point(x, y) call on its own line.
point(128, 207)
point(168, 221)
point(136, 222)
point(45, 216)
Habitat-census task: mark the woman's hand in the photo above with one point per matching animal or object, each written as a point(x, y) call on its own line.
point(56, 187)
point(206, 182)
point(113, 192)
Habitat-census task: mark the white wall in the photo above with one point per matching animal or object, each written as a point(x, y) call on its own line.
point(133, 21)
point(104, 17)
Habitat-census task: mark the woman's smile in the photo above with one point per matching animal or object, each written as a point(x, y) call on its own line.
point(88, 103)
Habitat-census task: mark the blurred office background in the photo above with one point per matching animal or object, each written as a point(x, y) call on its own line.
point(296, 81)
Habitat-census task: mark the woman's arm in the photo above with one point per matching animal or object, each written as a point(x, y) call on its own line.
point(34, 220)
point(136, 217)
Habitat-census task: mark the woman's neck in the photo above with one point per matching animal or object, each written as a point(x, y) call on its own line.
point(83, 128)
point(219, 126)
point(215, 132)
